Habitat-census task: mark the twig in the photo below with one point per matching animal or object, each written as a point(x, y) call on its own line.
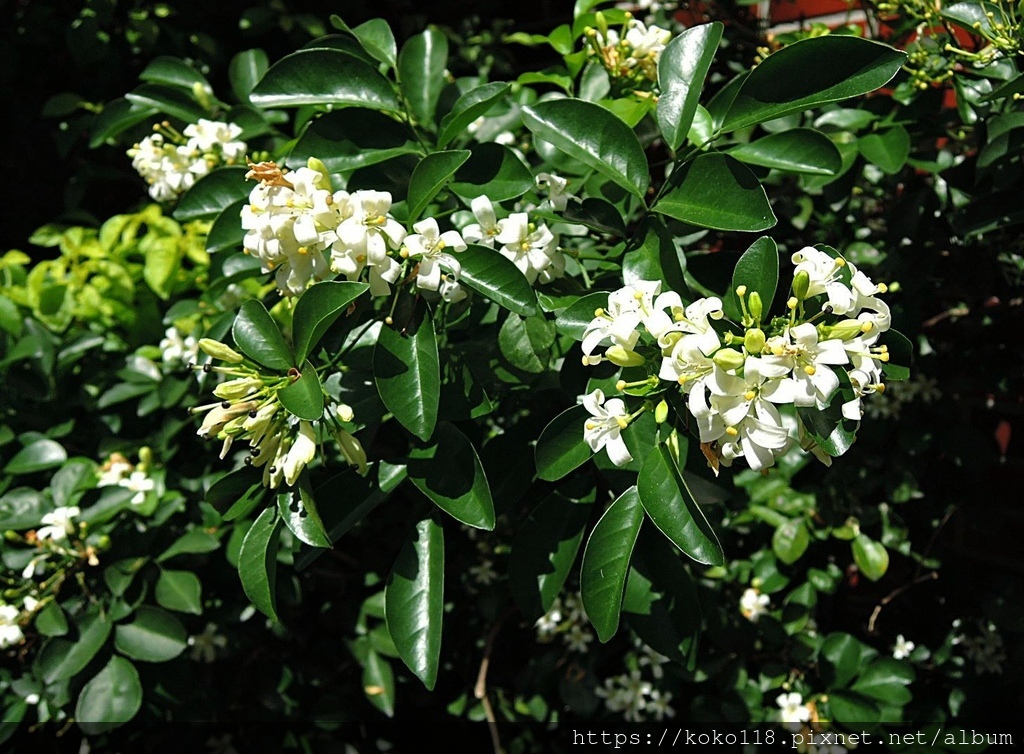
point(480, 690)
point(932, 576)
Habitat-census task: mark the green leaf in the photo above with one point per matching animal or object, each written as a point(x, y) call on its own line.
point(377, 39)
point(60, 658)
point(561, 447)
point(673, 510)
point(798, 150)
point(300, 513)
point(379, 683)
point(51, 621)
point(494, 171)
point(596, 213)
point(430, 176)
point(758, 269)
point(414, 601)
point(235, 489)
point(489, 273)
point(655, 259)
point(526, 342)
point(790, 540)
point(321, 76)
point(870, 556)
point(111, 698)
point(543, 553)
point(901, 356)
point(682, 68)
point(226, 231)
point(574, 320)
point(353, 138)
point(317, 309)
point(154, 636)
point(118, 116)
point(10, 317)
point(181, 591)
point(809, 73)
point(304, 397)
point(661, 603)
point(449, 472)
point(407, 371)
point(165, 69)
point(853, 709)
point(39, 456)
point(167, 99)
point(212, 194)
point(245, 70)
point(606, 562)
point(717, 191)
point(827, 427)
point(257, 562)
point(595, 137)
point(887, 150)
point(841, 658)
point(193, 541)
point(467, 108)
point(421, 66)
point(886, 680)
point(257, 336)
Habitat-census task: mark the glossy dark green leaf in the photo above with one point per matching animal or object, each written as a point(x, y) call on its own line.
point(317, 309)
point(467, 108)
point(245, 70)
point(414, 601)
point(191, 542)
point(111, 698)
point(758, 270)
point(660, 603)
point(421, 67)
point(809, 73)
point(494, 171)
point(561, 447)
point(153, 636)
point(852, 709)
point(304, 396)
point(574, 319)
point(888, 149)
point(407, 371)
point(430, 176)
point(595, 213)
point(376, 38)
point(901, 356)
point(673, 510)
point(841, 658)
point(449, 472)
point(169, 100)
point(790, 540)
point(379, 682)
point(827, 427)
point(226, 231)
point(324, 77)
point(682, 68)
point(257, 336)
point(353, 138)
point(213, 193)
point(257, 562)
point(244, 483)
point(118, 116)
point(974, 16)
point(543, 553)
point(595, 137)
point(886, 680)
point(489, 273)
point(62, 658)
point(606, 562)
point(300, 513)
point(717, 191)
point(39, 456)
point(180, 591)
point(526, 342)
point(870, 556)
point(51, 620)
point(798, 150)
point(657, 258)
point(165, 69)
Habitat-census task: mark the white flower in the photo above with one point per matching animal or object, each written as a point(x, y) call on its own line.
point(365, 237)
point(205, 645)
point(58, 523)
point(217, 137)
point(809, 362)
point(646, 41)
point(653, 658)
point(753, 604)
point(533, 249)
point(114, 470)
point(433, 249)
point(617, 322)
point(792, 710)
point(903, 648)
point(487, 226)
point(558, 195)
point(658, 705)
point(627, 694)
point(178, 349)
point(604, 430)
point(577, 638)
point(10, 631)
point(547, 625)
point(301, 452)
point(138, 483)
point(483, 572)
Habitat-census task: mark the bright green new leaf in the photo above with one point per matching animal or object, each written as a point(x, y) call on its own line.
point(317, 309)
point(606, 562)
point(321, 76)
point(257, 562)
point(682, 68)
point(595, 137)
point(673, 510)
point(421, 67)
point(489, 273)
point(414, 601)
point(717, 191)
point(111, 698)
point(467, 108)
point(449, 472)
point(407, 371)
point(153, 636)
point(870, 556)
point(798, 150)
point(758, 270)
point(430, 176)
point(212, 194)
point(257, 336)
point(561, 447)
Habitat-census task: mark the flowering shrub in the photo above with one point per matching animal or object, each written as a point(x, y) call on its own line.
point(423, 302)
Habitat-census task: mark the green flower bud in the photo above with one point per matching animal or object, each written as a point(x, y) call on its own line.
point(314, 164)
point(661, 412)
point(754, 340)
point(848, 329)
point(801, 282)
point(756, 307)
point(624, 358)
point(728, 358)
point(218, 350)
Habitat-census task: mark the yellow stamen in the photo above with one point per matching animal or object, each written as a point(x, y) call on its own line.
point(731, 431)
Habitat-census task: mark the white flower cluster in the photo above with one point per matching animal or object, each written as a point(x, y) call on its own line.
point(793, 712)
point(250, 410)
point(631, 53)
point(532, 248)
point(566, 617)
point(736, 383)
point(171, 162)
point(178, 350)
point(635, 698)
point(10, 630)
point(753, 604)
point(118, 470)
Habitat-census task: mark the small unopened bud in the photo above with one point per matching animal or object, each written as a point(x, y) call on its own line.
point(801, 283)
point(218, 350)
point(620, 385)
point(623, 357)
point(845, 330)
point(661, 412)
point(602, 24)
point(754, 340)
point(325, 177)
point(145, 457)
point(728, 358)
point(756, 306)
